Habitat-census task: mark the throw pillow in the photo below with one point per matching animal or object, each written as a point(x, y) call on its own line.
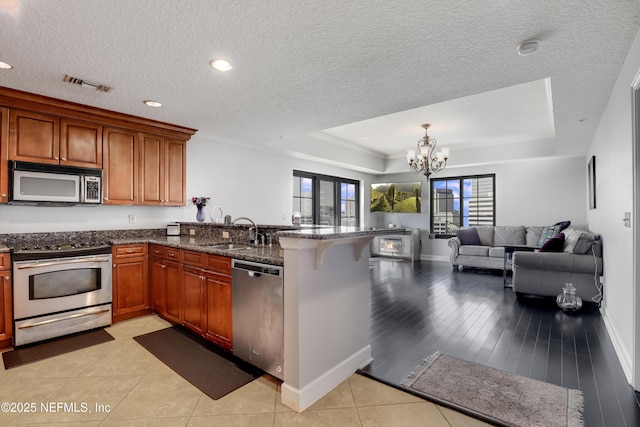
point(548, 232)
point(563, 224)
point(554, 244)
point(468, 236)
point(578, 241)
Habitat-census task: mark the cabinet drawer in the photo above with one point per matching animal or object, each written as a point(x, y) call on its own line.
point(5, 261)
point(157, 251)
point(193, 258)
point(129, 251)
point(219, 264)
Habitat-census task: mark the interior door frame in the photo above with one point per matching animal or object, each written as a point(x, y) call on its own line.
point(635, 220)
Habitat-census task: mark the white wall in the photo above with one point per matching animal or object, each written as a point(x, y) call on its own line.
point(257, 184)
point(531, 192)
point(612, 146)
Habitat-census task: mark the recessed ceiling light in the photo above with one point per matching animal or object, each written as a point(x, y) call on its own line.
point(154, 104)
point(5, 66)
point(221, 64)
point(527, 47)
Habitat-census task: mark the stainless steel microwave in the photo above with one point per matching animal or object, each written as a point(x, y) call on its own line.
point(44, 184)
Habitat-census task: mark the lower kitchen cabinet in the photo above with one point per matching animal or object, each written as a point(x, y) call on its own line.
point(193, 301)
point(219, 318)
point(6, 305)
point(166, 283)
point(130, 278)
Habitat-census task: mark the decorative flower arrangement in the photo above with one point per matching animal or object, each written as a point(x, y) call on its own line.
point(200, 201)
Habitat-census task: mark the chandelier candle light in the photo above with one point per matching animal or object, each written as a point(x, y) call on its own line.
point(425, 161)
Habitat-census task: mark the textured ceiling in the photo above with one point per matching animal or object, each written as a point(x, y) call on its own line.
point(301, 67)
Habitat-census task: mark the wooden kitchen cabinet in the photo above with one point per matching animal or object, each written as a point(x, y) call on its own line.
point(4, 155)
point(193, 300)
point(130, 278)
point(162, 171)
point(44, 138)
point(6, 302)
point(120, 167)
point(219, 326)
point(34, 137)
point(166, 283)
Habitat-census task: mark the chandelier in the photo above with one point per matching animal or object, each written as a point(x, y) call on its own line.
point(424, 160)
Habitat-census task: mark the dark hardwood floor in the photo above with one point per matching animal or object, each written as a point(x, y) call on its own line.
point(423, 307)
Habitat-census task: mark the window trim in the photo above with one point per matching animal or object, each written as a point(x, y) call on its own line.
point(461, 179)
point(316, 178)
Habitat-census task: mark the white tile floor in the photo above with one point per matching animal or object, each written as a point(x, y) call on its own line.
point(120, 384)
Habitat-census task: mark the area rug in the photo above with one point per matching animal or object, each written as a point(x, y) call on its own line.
point(212, 372)
point(493, 395)
point(54, 347)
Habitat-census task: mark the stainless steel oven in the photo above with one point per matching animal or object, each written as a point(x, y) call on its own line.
point(62, 295)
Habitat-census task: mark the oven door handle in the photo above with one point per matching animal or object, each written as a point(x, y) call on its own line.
point(72, 261)
point(60, 319)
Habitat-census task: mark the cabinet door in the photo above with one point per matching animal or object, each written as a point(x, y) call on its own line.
point(175, 165)
point(6, 310)
point(152, 170)
point(219, 317)
point(159, 286)
point(120, 167)
point(173, 292)
point(193, 300)
point(4, 155)
point(130, 286)
point(34, 137)
point(80, 144)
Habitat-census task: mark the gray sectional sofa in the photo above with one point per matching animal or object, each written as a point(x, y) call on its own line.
point(579, 260)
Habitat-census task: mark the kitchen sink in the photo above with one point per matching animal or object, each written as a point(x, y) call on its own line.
point(230, 247)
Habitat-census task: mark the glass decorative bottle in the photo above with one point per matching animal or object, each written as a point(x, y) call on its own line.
point(568, 300)
point(200, 214)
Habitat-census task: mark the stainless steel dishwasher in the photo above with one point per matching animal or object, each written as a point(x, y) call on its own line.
point(258, 315)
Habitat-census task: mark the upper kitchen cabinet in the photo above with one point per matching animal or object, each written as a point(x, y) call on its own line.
point(43, 138)
point(162, 171)
point(4, 155)
point(120, 167)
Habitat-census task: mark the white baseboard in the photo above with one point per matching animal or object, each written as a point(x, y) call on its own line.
point(434, 257)
point(301, 399)
point(621, 352)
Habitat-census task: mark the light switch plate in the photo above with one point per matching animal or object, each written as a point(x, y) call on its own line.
point(192, 232)
point(225, 234)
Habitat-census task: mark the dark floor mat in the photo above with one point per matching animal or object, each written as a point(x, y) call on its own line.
point(54, 347)
point(213, 372)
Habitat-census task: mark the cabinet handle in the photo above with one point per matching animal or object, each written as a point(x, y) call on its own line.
point(156, 251)
point(55, 158)
point(163, 266)
point(131, 251)
point(105, 198)
point(64, 159)
point(4, 196)
point(7, 278)
point(172, 254)
point(114, 266)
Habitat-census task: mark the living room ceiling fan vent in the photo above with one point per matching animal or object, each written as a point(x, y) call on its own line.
point(84, 83)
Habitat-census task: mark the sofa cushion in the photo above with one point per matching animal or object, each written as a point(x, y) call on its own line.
point(548, 232)
point(485, 232)
point(474, 250)
point(468, 236)
point(509, 235)
point(533, 235)
point(496, 252)
point(577, 241)
point(554, 244)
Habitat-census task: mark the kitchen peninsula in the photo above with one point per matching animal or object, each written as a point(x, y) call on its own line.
point(326, 291)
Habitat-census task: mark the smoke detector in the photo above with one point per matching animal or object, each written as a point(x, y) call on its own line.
point(527, 47)
point(84, 83)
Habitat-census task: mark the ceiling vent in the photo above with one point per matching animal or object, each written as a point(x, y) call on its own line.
point(84, 83)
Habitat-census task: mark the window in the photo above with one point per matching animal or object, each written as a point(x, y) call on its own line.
point(326, 200)
point(461, 201)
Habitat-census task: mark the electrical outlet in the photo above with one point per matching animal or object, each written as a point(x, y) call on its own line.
point(132, 219)
point(192, 232)
point(225, 234)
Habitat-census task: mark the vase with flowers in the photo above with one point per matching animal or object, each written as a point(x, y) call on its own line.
point(200, 203)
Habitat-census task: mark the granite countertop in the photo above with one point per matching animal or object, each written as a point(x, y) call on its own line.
point(264, 254)
point(326, 233)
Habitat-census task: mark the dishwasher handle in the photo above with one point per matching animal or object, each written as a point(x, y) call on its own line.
point(254, 274)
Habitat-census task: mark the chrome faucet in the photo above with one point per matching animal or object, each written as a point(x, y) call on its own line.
point(254, 228)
